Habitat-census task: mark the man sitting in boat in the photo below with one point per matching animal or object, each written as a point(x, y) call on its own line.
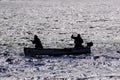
point(77, 40)
point(37, 42)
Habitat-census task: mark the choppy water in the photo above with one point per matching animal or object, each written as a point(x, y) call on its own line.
point(54, 21)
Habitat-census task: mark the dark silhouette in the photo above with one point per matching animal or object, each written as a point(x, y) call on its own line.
point(78, 41)
point(37, 42)
point(89, 44)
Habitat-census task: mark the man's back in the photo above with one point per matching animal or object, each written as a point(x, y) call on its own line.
point(37, 42)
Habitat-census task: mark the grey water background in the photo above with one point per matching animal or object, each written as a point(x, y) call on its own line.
point(54, 22)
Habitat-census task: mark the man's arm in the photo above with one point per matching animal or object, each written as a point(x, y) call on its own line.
point(32, 41)
point(72, 37)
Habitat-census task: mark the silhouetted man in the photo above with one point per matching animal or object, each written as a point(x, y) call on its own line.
point(77, 41)
point(37, 42)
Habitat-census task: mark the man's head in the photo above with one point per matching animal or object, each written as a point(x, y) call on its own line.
point(78, 35)
point(35, 36)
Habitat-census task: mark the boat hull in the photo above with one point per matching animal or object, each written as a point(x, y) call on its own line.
point(56, 52)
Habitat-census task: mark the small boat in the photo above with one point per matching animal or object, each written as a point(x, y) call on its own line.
point(56, 52)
